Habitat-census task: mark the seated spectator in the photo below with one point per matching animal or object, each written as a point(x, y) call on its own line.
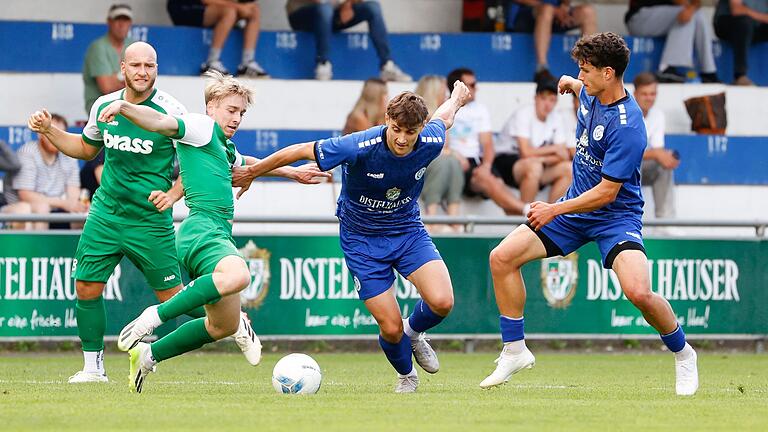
point(741, 23)
point(323, 18)
point(531, 151)
point(9, 165)
point(444, 178)
point(471, 140)
point(685, 26)
point(101, 68)
point(222, 15)
point(658, 163)
point(47, 181)
point(542, 17)
point(370, 107)
point(570, 121)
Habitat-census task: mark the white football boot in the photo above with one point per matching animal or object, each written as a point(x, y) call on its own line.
point(425, 355)
point(507, 365)
point(87, 377)
point(407, 383)
point(247, 340)
point(138, 329)
point(141, 365)
point(686, 372)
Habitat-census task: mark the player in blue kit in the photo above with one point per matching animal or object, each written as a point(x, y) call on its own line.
point(604, 204)
point(380, 223)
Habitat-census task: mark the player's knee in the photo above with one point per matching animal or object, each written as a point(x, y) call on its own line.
point(501, 260)
point(391, 330)
point(442, 305)
point(237, 280)
point(220, 330)
point(640, 296)
point(88, 290)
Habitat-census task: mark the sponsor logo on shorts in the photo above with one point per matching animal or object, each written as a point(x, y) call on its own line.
point(559, 276)
point(357, 283)
point(597, 133)
point(169, 278)
point(420, 173)
point(377, 176)
point(635, 235)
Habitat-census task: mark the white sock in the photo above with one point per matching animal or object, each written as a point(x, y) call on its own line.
point(248, 56)
point(94, 361)
point(411, 373)
point(685, 353)
point(408, 330)
point(148, 360)
point(515, 347)
point(214, 54)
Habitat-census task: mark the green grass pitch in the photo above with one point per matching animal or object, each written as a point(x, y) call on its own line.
point(220, 392)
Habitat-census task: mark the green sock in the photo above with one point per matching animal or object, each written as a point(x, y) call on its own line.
point(198, 312)
point(91, 323)
point(190, 336)
point(200, 291)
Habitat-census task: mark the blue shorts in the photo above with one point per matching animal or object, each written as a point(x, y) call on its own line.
point(566, 234)
point(371, 259)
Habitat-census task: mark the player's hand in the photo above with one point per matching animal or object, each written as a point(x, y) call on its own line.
point(563, 15)
point(686, 14)
point(74, 206)
point(108, 114)
point(460, 93)
point(242, 177)
point(310, 173)
point(346, 13)
point(40, 121)
point(566, 84)
point(541, 214)
point(667, 160)
point(161, 200)
point(562, 152)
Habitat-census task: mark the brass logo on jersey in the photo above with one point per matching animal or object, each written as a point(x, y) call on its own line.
point(127, 144)
point(393, 194)
point(258, 262)
point(559, 276)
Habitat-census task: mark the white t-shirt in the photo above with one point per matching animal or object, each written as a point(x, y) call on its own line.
point(654, 125)
point(471, 120)
point(523, 123)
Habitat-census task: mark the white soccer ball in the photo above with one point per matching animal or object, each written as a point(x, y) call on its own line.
point(296, 374)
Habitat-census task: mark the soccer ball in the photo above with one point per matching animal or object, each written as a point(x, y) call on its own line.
point(296, 374)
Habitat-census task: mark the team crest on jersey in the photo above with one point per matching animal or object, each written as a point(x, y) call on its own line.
point(393, 194)
point(559, 276)
point(420, 173)
point(258, 263)
point(597, 134)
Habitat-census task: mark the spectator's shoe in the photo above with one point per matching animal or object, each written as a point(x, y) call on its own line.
point(670, 76)
point(246, 339)
point(324, 71)
point(743, 81)
point(543, 75)
point(390, 72)
point(687, 374)
point(251, 70)
point(507, 365)
point(214, 65)
point(709, 78)
point(407, 383)
point(87, 377)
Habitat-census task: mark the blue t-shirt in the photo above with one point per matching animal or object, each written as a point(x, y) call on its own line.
point(380, 191)
point(611, 143)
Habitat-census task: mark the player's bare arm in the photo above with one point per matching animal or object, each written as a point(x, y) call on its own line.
point(281, 158)
point(306, 174)
point(569, 84)
point(447, 111)
point(142, 116)
point(71, 145)
point(598, 197)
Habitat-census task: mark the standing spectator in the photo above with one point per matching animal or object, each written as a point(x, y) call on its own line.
point(658, 163)
point(222, 15)
point(370, 107)
point(686, 28)
point(48, 181)
point(531, 150)
point(101, 69)
point(741, 23)
point(324, 17)
point(471, 140)
point(542, 17)
point(444, 178)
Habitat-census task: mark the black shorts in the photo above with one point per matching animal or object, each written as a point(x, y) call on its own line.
point(525, 22)
point(503, 164)
point(187, 13)
point(474, 163)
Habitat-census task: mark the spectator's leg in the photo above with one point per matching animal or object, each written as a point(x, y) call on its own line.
point(250, 32)
point(370, 11)
point(658, 21)
point(435, 188)
point(703, 43)
point(559, 176)
point(662, 183)
point(678, 48)
point(738, 31)
point(586, 18)
point(455, 188)
point(527, 173)
point(20, 207)
point(542, 33)
point(40, 208)
point(222, 19)
point(317, 19)
point(495, 189)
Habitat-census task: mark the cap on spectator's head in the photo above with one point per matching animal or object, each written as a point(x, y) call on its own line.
point(120, 11)
point(546, 85)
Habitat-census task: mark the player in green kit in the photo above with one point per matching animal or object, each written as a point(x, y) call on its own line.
point(204, 241)
point(129, 214)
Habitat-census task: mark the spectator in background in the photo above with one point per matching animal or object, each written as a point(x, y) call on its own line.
point(370, 107)
point(47, 181)
point(531, 150)
point(741, 23)
point(444, 178)
point(471, 140)
point(9, 165)
point(222, 15)
point(542, 17)
point(685, 27)
point(90, 174)
point(658, 163)
point(324, 17)
point(101, 69)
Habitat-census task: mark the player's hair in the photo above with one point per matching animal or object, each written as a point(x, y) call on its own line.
point(432, 89)
point(369, 102)
point(407, 110)
point(602, 50)
point(455, 75)
point(219, 86)
point(60, 118)
point(644, 79)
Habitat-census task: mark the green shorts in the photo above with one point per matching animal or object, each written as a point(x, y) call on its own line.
point(203, 240)
point(150, 248)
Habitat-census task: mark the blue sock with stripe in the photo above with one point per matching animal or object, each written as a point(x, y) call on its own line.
point(423, 318)
point(675, 341)
point(511, 328)
point(399, 354)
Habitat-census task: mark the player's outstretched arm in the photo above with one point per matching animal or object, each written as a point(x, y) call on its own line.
point(281, 158)
point(447, 111)
point(142, 116)
point(71, 145)
point(308, 173)
point(598, 197)
point(569, 84)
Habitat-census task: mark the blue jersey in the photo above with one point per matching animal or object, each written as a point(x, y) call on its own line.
point(380, 191)
point(611, 143)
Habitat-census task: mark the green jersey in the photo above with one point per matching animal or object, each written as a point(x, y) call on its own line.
point(206, 158)
point(136, 162)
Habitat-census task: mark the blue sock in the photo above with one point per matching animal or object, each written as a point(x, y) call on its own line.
point(423, 318)
point(675, 341)
point(399, 354)
point(511, 329)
